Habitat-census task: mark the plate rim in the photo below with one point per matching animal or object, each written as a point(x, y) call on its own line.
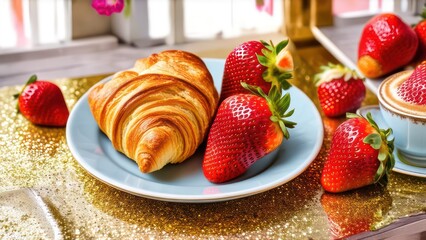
point(192, 198)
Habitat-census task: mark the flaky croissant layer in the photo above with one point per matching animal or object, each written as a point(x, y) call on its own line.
point(159, 111)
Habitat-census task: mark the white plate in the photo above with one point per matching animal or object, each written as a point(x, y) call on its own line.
point(400, 166)
point(185, 182)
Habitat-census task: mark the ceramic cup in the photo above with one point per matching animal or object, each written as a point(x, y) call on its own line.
point(408, 121)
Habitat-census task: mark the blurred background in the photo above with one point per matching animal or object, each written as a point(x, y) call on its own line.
point(38, 29)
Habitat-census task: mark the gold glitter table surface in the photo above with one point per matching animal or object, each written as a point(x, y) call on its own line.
point(85, 208)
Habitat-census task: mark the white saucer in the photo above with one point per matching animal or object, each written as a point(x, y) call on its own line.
point(400, 166)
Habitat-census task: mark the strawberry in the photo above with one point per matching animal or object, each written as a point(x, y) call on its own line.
point(420, 30)
point(42, 103)
point(354, 212)
point(246, 128)
point(360, 155)
point(257, 63)
point(413, 90)
point(386, 44)
point(340, 90)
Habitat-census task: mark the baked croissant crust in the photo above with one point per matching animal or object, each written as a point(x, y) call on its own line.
point(159, 111)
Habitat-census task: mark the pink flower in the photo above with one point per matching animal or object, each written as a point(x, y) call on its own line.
point(107, 7)
point(265, 5)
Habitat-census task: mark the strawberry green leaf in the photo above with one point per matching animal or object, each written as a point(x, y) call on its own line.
point(274, 118)
point(382, 156)
point(286, 75)
point(266, 44)
point(274, 95)
point(282, 79)
point(254, 89)
point(285, 85)
point(284, 104)
point(289, 113)
point(284, 129)
point(265, 52)
point(380, 172)
point(374, 140)
point(271, 46)
point(371, 120)
point(289, 124)
point(281, 45)
point(391, 163)
point(262, 60)
point(278, 105)
point(32, 79)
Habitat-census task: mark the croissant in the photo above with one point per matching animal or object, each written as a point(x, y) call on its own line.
point(159, 111)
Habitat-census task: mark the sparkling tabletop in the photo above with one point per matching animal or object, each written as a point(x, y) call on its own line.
point(84, 208)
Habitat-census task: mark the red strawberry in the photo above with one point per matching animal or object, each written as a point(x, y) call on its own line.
point(360, 155)
point(413, 90)
point(386, 44)
point(256, 63)
point(353, 212)
point(42, 103)
point(340, 90)
point(420, 30)
point(246, 128)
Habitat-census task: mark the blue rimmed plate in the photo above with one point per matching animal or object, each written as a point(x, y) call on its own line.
point(185, 182)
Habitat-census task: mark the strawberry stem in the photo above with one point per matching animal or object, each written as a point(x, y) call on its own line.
point(278, 104)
